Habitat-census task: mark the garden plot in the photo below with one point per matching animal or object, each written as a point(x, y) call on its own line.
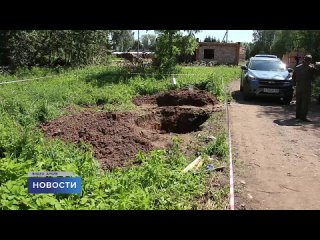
point(117, 137)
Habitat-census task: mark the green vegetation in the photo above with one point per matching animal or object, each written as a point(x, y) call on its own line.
point(218, 147)
point(155, 184)
point(53, 47)
point(74, 48)
point(170, 45)
point(122, 40)
point(279, 42)
point(41, 100)
point(216, 195)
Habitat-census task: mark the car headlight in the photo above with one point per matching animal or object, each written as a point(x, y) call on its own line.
point(251, 77)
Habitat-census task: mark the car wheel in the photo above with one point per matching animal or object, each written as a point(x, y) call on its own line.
point(246, 95)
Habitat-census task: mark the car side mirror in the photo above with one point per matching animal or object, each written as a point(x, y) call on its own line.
point(290, 70)
point(244, 68)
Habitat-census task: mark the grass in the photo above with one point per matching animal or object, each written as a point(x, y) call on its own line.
point(218, 146)
point(155, 184)
point(41, 100)
point(217, 183)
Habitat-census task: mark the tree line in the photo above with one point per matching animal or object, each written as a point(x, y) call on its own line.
point(65, 47)
point(50, 48)
point(279, 42)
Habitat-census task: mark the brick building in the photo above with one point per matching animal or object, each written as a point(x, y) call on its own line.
point(290, 58)
point(222, 53)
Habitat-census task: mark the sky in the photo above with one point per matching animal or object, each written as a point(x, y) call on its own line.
point(233, 35)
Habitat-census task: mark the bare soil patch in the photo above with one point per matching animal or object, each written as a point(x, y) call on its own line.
point(194, 97)
point(117, 137)
point(277, 157)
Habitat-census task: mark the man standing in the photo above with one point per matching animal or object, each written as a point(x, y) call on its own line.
point(302, 77)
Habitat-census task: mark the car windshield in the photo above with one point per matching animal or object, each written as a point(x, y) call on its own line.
point(265, 65)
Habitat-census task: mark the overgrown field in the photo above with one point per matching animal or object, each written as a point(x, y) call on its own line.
point(157, 183)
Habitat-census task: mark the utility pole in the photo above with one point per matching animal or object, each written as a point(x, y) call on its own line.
point(225, 36)
point(138, 43)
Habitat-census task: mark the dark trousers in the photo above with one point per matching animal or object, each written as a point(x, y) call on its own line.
point(302, 104)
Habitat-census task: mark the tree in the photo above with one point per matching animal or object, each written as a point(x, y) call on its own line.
point(4, 48)
point(135, 46)
point(148, 41)
point(248, 49)
point(170, 44)
point(284, 41)
point(262, 41)
point(279, 42)
point(210, 39)
point(310, 41)
point(57, 47)
point(122, 40)
point(187, 46)
point(207, 39)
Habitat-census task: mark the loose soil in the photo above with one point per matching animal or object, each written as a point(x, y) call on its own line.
point(117, 137)
point(194, 97)
point(113, 136)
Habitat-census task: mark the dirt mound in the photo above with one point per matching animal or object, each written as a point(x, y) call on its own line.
point(148, 99)
point(112, 135)
point(194, 97)
point(118, 137)
point(173, 119)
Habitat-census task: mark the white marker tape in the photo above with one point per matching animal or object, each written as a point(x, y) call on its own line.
point(230, 150)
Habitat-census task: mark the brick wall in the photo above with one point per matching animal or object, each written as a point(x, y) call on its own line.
point(289, 58)
point(224, 53)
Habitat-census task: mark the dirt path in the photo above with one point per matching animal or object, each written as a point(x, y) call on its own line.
point(277, 157)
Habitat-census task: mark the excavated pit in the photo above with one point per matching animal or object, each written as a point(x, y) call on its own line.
point(173, 120)
point(117, 137)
